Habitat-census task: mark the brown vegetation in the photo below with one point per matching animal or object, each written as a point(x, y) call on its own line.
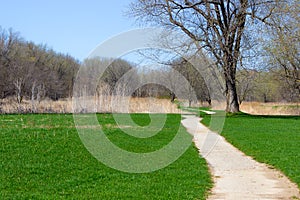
point(112, 104)
point(108, 104)
point(258, 108)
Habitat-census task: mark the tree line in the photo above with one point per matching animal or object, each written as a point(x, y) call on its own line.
point(33, 71)
point(36, 72)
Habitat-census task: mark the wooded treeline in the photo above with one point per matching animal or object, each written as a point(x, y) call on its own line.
point(33, 71)
point(36, 72)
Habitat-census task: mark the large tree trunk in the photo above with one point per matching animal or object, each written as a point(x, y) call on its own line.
point(232, 104)
point(232, 101)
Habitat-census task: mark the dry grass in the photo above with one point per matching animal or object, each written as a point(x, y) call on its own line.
point(257, 108)
point(152, 105)
point(117, 104)
point(108, 104)
point(9, 105)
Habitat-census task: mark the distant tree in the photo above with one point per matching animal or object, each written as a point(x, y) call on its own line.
point(152, 86)
point(267, 88)
point(114, 70)
point(8, 42)
point(18, 68)
point(195, 79)
point(246, 84)
point(284, 45)
point(262, 86)
point(64, 69)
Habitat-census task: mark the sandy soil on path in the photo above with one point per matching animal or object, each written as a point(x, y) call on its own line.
point(237, 176)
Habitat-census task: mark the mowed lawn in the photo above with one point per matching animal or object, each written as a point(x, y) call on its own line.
point(274, 140)
point(42, 157)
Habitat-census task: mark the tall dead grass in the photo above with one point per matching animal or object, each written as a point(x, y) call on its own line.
point(107, 104)
point(118, 104)
point(257, 108)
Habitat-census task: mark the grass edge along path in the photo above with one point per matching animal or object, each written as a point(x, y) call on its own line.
point(273, 140)
point(42, 157)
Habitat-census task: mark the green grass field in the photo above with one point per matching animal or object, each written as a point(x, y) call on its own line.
point(274, 140)
point(42, 157)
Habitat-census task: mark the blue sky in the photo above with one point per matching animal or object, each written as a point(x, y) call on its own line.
point(75, 27)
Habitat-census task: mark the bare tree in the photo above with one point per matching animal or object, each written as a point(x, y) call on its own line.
point(195, 79)
point(8, 42)
point(217, 27)
point(246, 84)
point(284, 45)
point(19, 69)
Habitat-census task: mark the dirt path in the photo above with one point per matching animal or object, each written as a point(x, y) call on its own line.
point(236, 175)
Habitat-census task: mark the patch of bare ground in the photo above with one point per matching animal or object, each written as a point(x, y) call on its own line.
point(257, 108)
point(116, 126)
point(237, 176)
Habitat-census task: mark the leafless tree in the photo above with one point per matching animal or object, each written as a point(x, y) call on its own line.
point(216, 26)
point(283, 46)
point(246, 84)
point(195, 79)
point(8, 41)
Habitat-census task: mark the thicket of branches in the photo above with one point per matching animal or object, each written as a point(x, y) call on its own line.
point(33, 71)
point(232, 33)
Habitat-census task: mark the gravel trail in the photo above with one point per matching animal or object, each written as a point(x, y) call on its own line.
point(237, 176)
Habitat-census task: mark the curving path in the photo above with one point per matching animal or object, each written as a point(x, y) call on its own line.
point(236, 175)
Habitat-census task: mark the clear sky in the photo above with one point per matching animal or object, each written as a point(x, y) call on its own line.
point(75, 27)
